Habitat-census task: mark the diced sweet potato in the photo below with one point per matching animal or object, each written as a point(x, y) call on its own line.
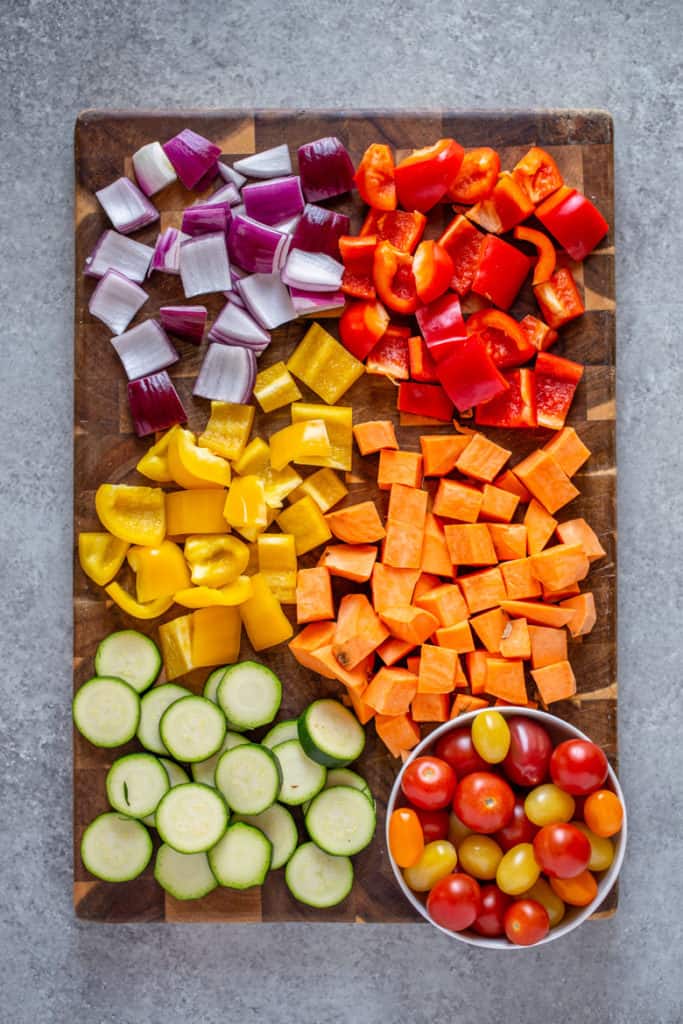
point(435, 558)
point(476, 670)
point(546, 480)
point(464, 702)
point(398, 732)
point(548, 645)
point(392, 587)
point(305, 643)
point(507, 481)
point(359, 631)
point(520, 582)
point(398, 467)
point(470, 544)
point(584, 617)
point(577, 531)
point(313, 595)
point(555, 682)
point(454, 500)
point(483, 590)
point(505, 679)
point(413, 664)
point(374, 435)
point(489, 627)
point(568, 450)
point(555, 596)
point(509, 540)
point(430, 707)
point(354, 679)
point(440, 452)
point(356, 524)
point(427, 581)
point(393, 650)
point(540, 527)
point(498, 505)
point(539, 614)
point(482, 459)
point(446, 602)
point(457, 637)
point(438, 669)
point(350, 561)
point(516, 642)
point(408, 505)
point(391, 691)
point(410, 623)
point(560, 566)
point(402, 547)
point(362, 711)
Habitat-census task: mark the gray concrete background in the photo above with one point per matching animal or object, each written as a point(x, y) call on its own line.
point(58, 57)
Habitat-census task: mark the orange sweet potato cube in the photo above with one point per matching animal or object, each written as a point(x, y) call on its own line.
point(359, 631)
point(398, 467)
point(427, 581)
point(546, 480)
point(438, 668)
point(397, 732)
point(408, 505)
point(520, 582)
point(402, 547)
point(505, 679)
point(483, 590)
point(516, 642)
point(441, 451)
point(457, 637)
point(560, 566)
point(391, 691)
point(577, 531)
point(509, 540)
point(435, 558)
point(446, 602)
point(498, 505)
point(470, 544)
point(548, 645)
point(392, 587)
point(393, 650)
point(540, 527)
point(584, 617)
point(430, 707)
point(305, 643)
point(362, 711)
point(374, 435)
point(476, 670)
point(313, 595)
point(464, 702)
point(555, 682)
point(482, 459)
point(410, 623)
point(568, 450)
point(507, 481)
point(489, 627)
point(454, 500)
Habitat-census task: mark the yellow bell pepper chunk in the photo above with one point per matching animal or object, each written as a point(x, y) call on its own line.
point(216, 635)
point(264, 620)
point(245, 506)
point(154, 463)
point(175, 638)
point(278, 564)
point(195, 463)
point(207, 597)
point(339, 423)
point(306, 522)
point(101, 555)
point(159, 571)
point(324, 486)
point(195, 511)
point(299, 442)
point(324, 365)
point(216, 560)
point(135, 514)
point(128, 604)
point(228, 429)
point(275, 387)
point(255, 460)
point(252, 564)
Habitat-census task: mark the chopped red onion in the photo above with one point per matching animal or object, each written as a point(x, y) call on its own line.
point(235, 276)
point(228, 173)
point(144, 349)
point(312, 271)
point(154, 404)
point(116, 252)
point(192, 156)
point(289, 226)
point(227, 374)
point(270, 202)
point(126, 206)
point(153, 169)
point(207, 180)
point(225, 194)
point(116, 300)
point(235, 324)
point(315, 302)
point(204, 265)
point(267, 299)
point(271, 163)
point(256, 247)
point(186, 322)
point(206, 218)
point(167, 251)
point(319, 230)
point(326, 169)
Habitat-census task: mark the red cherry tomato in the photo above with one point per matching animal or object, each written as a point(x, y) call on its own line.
point(484, 802)
point(562, 850)
point(429, 782)
point(455, 902)
point(578, 767)
point(518, 830)
point(434, 824)
point(526, 763)
point(457, 749)
point(494, 903)
point(526, 922)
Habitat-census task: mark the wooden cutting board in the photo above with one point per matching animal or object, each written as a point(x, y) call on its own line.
point(106, 449)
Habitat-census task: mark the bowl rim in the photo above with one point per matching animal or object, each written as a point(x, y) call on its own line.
point(605, 883)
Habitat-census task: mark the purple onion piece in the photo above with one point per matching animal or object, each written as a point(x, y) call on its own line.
point(315, 302)
point(186, 322)
point(229, 174)
point(207, 180)
point(256, 247)
point(225, 194)
point(116, 300)
point(290, 225)
point(166, 256)
point(206, 218)
point(326, 169)
point(153, 169)
point(270, 163)
point(227, 374)
point(267, 299)
point(270, 202)
point(204, 265)
point(126, 206)
point(312, 271)
point(319, 230)
point(193, 157)
point(144, 349)
point(236, 324)
point(154, 404)
point(116, 252)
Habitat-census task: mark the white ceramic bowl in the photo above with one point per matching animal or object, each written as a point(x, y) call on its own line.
point(558, 731)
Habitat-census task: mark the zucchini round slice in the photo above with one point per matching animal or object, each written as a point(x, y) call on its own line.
point(277, 825)
point(192, 729)
point(211, 684)
point(152, 707)
point(177, 776)
point(192, 818)
point(341, 821)
point(302, 778)
point(242, 857)
point(331, 734)
point(345, 777)
point(315, 878)
point(250, 695)
point(281, 731)
point(205, 771)
point(106, 711)
point(116, 848)
point(136, 783)
point(187, 876)
point(249, 778)
point(131, 656)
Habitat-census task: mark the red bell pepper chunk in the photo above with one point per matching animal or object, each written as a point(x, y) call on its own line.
point(516, 407)
point(477, 175)
point(573, 220)
point(433, 270)
point(371, 223)
point(556, 383)
point(404, 230)
point(537, 174)
point(390, 357)
point(505, 340)
point(375, 177)
point(546, 258)
point(442, 325)
point(392, 272)
point(500, 271)
point(422, 366)
point(425, 400)
point(537, 333)
point(469, 375)
point(507, 205)
point(361, 325)
point(424, 177)
point(559, 298)
point(357, 256)
point(463, 242)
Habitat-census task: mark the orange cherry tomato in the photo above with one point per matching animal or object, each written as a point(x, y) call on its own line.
point(578, 891)
point(477, 175)
point(603, 813)
point(406, 839)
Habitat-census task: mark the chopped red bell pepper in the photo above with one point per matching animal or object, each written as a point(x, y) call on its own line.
point(361, 325)
point(556, 383)
point(432, 269)
point(425, 176)
point(371, 223)
point(442, 325)
point(500, 271)
point(469, 375)
point(425, 400)
point(537, 174)
point(546, 258)
point(505, 340)
point(463, 242)
point(507, 205)
point(375, 177)
point(404, 230)
point(559, 298)
point(515, 407)
point(477, 175)
point(390, 356)
point(422, 366)
point(537, 333)
point(573, 220)
point(357, 256)
point(392, 273)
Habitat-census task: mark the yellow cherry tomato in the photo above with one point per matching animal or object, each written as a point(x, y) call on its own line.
point(603, 813)
point(480, 856)
point(406, 839)
point(518, 870)
point(491, 736)
point(438, 860)
point(457, 830)
point(602, 848)
point(543, 893)
point(548, 804)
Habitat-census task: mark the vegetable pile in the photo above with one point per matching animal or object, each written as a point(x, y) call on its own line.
point(529, 827)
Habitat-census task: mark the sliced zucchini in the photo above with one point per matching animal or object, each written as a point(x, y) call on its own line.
point(177, 776)
point(136, 783)
point(345, 777)
point(131, 656)
point(315, 878)
point(281, 732)
point(249, 694)
point(341, 821)
point(187, 876)
point(106, 711)
point(192, 729)
point(152, 707)
point(116, 848)
point(205, 771)
point(330, 733)
point(192, 818)
point(211, 684)
point(242, 857)
point(277, 825)
point(302, 778)
point(249, 778)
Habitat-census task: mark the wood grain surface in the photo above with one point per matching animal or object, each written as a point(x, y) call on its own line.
point(106, 449)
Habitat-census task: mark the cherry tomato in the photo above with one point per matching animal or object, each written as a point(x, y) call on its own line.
point(435, 824)
point(429, 782)
point(484, 802)
point(562, 850)
point(406, 839)
point(457, 749)
point(494, 903)
point(579, 891)
point(602, 849)
point(455, 902)
point(518, 870)
point(542, 892)
point(480, 856)
point(438, 860)
point(518, 830)
point(603, 813)
point(578, 766)
point(526, 763)
point(547, 804)
point(491, 736)
point(526, 922)
point(457, 830)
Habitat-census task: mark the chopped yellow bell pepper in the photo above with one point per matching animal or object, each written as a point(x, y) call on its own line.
point(275, 387)
point(216, 560)
point(339, 423)
point(278, 564)
point(207, 597)
point(264, 620)
point(128, 604)
point(252, 564)
point(135, 514)
point(228, 429)
point(306, 522)
point(245, 506)
point(216, 635)
point(154, 463)
point(255, 461)
point(324, 365)
point(195, 511)
point(159, 571)
point(101, 555)
point(299, 442)
point(193, 466)
point(175, 638)
point(324, 486)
